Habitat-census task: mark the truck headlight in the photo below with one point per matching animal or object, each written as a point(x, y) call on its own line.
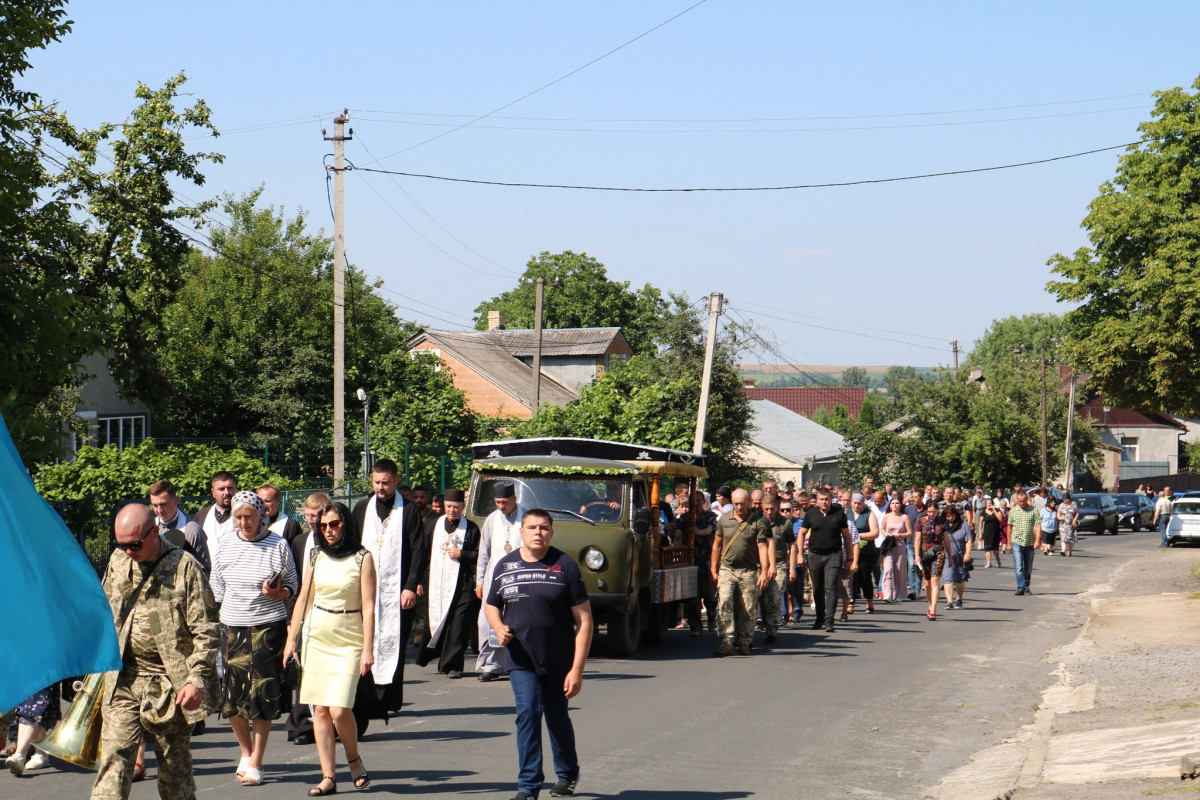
point(594, 560)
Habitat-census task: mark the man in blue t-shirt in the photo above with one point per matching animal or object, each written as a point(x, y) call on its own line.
point(538, 608)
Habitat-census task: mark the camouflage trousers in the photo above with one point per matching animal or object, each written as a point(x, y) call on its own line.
point(125, 717)
point(737, 602)
point(773, 598)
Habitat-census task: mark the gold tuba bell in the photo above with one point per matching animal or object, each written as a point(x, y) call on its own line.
point(77, 738)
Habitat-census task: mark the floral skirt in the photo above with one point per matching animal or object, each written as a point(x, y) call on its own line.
point(40, 709)
point(253, 686)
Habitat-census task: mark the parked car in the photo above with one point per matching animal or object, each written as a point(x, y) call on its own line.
point(1184, 525)
point(1097, 512)
point(1134, 511)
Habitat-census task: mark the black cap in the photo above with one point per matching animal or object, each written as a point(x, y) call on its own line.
point(724, 491)
point(504, 489)
point(454, 496)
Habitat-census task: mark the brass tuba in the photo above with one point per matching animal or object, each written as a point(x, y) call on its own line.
point(77, 738)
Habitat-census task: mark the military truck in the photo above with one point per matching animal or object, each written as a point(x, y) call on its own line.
point(604, 498)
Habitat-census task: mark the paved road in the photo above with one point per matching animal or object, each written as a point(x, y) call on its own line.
point(881, 708)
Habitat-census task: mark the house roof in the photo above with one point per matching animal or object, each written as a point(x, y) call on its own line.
point(558, 341)
point(807, 399)
point(491, 361)
point(1127, 418)
point(790, 435)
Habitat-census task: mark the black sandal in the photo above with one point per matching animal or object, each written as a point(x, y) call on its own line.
point(320, 791)
point(363, 780)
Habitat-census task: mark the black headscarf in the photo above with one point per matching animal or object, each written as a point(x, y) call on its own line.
point(351, 540)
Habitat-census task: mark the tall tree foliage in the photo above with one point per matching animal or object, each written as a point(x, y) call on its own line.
point(584, 297)
point(653, 398)
point(1136, 328)
point(87, 253)
point(249, 350)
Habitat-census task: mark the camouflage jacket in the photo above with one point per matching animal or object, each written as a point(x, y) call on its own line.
point(182, 620)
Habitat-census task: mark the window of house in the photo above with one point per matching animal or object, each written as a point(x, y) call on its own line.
point(431, 352)
point(1129, 448)
point(123, 431)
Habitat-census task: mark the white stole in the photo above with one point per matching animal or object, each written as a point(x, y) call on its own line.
point(443, 574)
point(385, 542)
point(278, 525)
point(505, 538)
point(215, 531)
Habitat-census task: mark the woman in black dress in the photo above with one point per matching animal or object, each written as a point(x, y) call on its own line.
point(990, 524)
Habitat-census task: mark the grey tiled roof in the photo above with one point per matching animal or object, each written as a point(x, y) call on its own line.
point(556, 342)
point(790, 435)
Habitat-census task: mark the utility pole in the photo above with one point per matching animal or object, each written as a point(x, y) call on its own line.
point(716, 302)
point(1070, 433)
point(1045, 446)
point(954, 347)
point(537, 345)
point(339, 295)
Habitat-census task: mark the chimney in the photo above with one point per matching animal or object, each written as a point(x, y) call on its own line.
point(495, 320)
point(749, 383)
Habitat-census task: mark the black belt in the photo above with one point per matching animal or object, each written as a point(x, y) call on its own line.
point(332, 611)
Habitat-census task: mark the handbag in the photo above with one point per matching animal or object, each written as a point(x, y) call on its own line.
point(929, 556)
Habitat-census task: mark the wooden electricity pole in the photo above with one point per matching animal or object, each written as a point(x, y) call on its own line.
point(716, 302)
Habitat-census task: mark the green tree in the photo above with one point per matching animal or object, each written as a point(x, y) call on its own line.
point(86, 255)
point(653, 398)
point(1136, 327)
point(584, 297)
point(855, 376)
point(245, 345)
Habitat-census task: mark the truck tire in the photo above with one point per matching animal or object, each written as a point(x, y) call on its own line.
point(656, 627)
point(624, 632)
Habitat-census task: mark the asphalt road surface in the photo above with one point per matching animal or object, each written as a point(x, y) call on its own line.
point(883, 707)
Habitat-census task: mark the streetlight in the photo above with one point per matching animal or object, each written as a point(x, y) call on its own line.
point(366, 401)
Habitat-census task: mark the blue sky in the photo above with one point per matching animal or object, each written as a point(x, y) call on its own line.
point(730, 94)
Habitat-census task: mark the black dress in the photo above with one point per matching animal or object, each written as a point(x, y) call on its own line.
point(990, 531)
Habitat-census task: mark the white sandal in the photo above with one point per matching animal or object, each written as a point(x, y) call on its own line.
point(252, 777)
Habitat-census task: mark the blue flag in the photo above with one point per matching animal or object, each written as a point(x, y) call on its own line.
point(59, 622)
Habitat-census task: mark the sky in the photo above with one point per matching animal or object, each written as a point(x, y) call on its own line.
point(716, 94)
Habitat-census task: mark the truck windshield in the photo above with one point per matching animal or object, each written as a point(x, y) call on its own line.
point(601, 499)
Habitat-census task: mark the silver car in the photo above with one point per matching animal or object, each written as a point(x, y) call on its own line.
point(1184, 525)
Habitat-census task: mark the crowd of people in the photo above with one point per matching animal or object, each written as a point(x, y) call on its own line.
point(765, 555)
point(247, 612)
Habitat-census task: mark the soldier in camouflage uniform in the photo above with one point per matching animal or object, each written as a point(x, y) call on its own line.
point(778, 556)
point(740, 565)
point(168, 646)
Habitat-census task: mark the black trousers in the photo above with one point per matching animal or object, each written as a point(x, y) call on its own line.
point(823, 569)
point(461, 620)
point(706, 591)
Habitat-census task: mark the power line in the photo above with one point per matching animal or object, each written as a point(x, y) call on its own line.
point(545, 86)
point(826, 129)
point(844, 322)
point(856, 333)
point(429, 216)
point(830, 185)
point(768, 119)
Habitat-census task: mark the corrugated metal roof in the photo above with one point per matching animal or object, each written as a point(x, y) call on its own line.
point(495, 364)
point(556, 341)
point(790, 435)
point(807, 400)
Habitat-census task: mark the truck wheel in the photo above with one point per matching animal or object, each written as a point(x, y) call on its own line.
point(656, 628)
point(624, 632)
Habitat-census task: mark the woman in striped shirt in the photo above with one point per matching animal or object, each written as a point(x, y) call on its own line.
point(253, 576)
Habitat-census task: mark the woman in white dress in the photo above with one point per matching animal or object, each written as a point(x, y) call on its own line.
point(336, 614)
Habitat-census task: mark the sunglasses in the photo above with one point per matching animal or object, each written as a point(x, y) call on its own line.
point(330, 526)
point(136, 547)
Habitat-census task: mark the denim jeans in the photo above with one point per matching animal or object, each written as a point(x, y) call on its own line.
point(537, 695)
point(1023, 564)
point(914, 569)
point(1163, 521)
